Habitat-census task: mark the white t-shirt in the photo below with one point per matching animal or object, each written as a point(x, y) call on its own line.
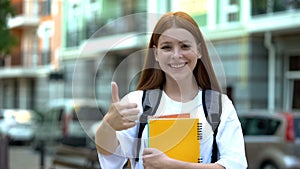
point(229, 138)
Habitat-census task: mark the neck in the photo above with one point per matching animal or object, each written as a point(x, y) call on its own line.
point(181, 91)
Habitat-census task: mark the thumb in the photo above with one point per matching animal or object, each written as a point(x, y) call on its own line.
point(114, 92)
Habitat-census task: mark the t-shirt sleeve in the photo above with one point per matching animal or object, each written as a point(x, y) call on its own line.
point(114, 161)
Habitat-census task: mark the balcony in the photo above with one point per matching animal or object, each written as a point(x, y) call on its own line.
point(28, 13)
point(28, 72)
point(127, 24)
point(74, 38)
point(100, 28)
point(27, 59)
point(26, 64)
point(32, 59)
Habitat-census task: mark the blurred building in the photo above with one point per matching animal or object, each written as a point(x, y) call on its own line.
point(258, 42)
point(25, 75)
point(98, 36)
point(104, 40)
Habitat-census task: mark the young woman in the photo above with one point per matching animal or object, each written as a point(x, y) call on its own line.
point(177, 61)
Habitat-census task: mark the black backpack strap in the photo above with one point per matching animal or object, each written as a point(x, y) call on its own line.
point(214, 155)
point(212, 106)
point(150, 103)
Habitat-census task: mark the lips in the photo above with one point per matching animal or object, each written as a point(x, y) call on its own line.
point(177, 65)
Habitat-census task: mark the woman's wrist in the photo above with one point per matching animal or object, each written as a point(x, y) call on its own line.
point(105, 138)
point(176, 164)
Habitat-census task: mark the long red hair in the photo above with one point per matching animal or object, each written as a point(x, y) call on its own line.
point(153, 77)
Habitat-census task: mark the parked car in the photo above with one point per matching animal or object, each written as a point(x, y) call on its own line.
point(69, 121)
point(17, 124)
point(272, 140)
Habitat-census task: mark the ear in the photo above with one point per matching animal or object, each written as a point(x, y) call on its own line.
point(199, 53)
point(155, 52)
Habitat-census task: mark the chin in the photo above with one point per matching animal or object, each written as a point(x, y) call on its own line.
point(180, 77)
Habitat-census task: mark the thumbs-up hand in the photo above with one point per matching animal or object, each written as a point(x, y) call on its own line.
point(121, 115)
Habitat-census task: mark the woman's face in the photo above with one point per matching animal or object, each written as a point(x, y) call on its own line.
point(177, 53)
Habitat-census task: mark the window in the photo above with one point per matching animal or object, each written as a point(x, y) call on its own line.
point(94, 9)
point(297, 126)
point(233, 2)
point(93, 17)
point(294, 71)
point(45, 7)
point(296, 96)
point(233, 17)
point(294, 63)
point(270, 6)
point(259, 126)
point(73, 25)
point(230, 11)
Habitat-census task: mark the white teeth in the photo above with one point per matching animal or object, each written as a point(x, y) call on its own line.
point(177, 65)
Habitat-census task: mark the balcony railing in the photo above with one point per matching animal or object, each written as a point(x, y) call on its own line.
point(100, 28)
point(74, 38)
point(29, 59)
point(131, 23)
point(31, 8)
point(260, 7)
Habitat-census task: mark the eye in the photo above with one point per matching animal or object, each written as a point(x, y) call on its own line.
point(185, 46)
point(166, 47)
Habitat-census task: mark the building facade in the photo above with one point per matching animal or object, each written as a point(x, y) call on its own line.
point(254, 45)
point(256, 41)
point(101, 36)
point(25, 76)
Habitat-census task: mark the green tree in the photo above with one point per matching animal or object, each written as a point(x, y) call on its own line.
point(7, 39)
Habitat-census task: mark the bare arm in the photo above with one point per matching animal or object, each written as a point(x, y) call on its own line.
point(155, 159)
point(121, 116)
point(175, 164)
point(105, 139)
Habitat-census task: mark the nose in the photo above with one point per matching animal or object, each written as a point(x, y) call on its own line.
point(177, 53)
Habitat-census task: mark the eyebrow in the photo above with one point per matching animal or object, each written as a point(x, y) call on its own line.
point(185, 41)
point(167, 42)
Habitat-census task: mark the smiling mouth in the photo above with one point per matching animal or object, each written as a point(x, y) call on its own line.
point(178, 65)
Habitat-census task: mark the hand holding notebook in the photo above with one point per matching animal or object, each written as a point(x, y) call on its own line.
point(177, 136)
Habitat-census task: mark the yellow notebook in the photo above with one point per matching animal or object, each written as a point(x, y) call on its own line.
point(176, 137)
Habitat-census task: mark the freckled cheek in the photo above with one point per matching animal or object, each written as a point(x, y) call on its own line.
point(191, 55)
point(164, 53)
point(192, 58)
point(163, 56)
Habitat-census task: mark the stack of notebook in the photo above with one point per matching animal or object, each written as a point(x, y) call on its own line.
point(178, 136)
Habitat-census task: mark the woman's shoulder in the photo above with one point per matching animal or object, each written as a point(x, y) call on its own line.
point(228, 109)
point(134, 96)
point(135, 93)
point(225, 98)
point(215, 94)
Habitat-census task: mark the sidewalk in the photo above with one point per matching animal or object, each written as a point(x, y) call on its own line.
point(24, 157)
